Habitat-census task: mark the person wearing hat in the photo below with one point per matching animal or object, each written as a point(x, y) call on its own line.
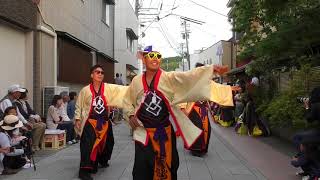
point(14, 93)
point(14, 158)
point(152, 108)
point(28, 113)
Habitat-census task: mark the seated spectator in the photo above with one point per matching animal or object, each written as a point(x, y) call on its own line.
point(56, 120)
point(28, 113)
point(308, 160)
point(312, 114)
point(71, 105)
point(13, 154)
point(14, 93)
point(12, 110)
point(66, 99)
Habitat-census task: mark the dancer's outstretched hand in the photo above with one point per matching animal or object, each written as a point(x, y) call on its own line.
point(217, 69)
point(133, 121)
point(235, 88)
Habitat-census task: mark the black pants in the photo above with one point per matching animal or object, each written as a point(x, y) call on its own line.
point(13, 162)
point(227, 114)
point(199, 146)
point(68, 126)
point(87, 141)
point(143, 168)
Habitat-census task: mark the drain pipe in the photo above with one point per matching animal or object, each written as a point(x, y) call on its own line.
point(55, 43)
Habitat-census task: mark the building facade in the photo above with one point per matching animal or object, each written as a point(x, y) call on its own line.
point(18, 21)
point(53, 43)
point(72, 36)
point(219, 53)
point(126, 30)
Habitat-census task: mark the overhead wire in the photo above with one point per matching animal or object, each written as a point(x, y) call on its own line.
point(216, 12)
point(168, 34)
point(205, 31)
point(174, 3)
point(167, 39)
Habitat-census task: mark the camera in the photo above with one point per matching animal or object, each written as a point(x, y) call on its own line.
point(302, 99)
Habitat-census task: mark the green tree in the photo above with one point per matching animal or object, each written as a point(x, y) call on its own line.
point(283, 110)
point(170, 63)
point(278, 33)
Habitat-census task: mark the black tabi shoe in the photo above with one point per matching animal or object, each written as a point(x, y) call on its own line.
point(104, 165)
point(94, 170)
point(83, 175)
point(197, 154)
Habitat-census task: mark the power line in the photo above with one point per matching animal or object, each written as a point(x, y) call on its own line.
point(147, 27)
point(174, 3)
point(208, 8)
point(167, 32)
point(167, 39)
point(205, 31)
point(154, 20)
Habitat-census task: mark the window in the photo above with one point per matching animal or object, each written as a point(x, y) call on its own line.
point(129, 43)
point(106, 12)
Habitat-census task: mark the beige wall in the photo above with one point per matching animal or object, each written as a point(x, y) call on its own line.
point(226, 58)
point(210, 55)
point(16, 49)
point(46, 59)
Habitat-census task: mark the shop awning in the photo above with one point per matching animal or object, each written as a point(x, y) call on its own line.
point(108, 57)
point(237, 70)
point(131, 67)
point(74, 39)
point(131, 34)
point(110, 2)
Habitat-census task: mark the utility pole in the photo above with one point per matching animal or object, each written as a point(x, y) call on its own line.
point(187, 43)
point(186, 32)
point(182, 53)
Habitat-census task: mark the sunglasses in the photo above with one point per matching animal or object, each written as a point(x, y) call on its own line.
point(99, 72)
point(152, 55)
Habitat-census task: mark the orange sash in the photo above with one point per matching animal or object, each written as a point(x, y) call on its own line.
point(162, 165)
point(205, 124)
point(101, 137)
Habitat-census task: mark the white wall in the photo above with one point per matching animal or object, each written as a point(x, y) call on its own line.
point(16, 59)
point(124, 18)
point(209, 55)
point(194, 58)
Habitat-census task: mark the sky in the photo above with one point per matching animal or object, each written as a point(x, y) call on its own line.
point(215, 28)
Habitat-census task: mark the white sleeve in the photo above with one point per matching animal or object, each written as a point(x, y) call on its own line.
point(4, 141)
point(16, 152)
point(4, 104)
point(21, 118)
point(63, 113)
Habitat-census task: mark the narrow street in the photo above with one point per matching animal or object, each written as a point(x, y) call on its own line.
point(230, 157)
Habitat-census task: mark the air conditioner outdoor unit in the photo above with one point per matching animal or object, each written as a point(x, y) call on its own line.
point(47, 96)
